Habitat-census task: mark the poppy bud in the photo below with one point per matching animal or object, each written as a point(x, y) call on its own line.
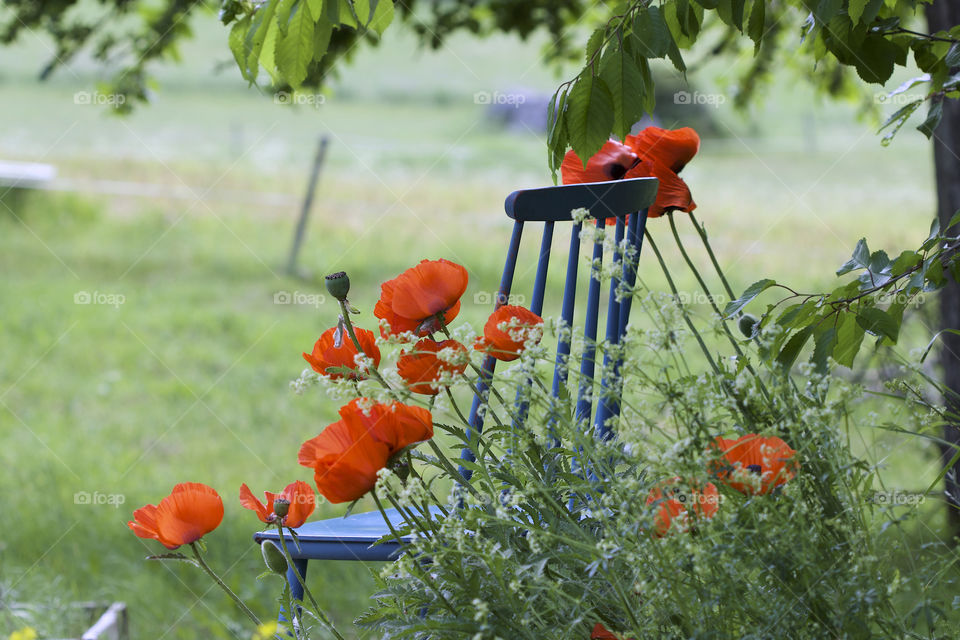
point(280, 507)
point(747, 324)
point(273, 557)
point(338, 284)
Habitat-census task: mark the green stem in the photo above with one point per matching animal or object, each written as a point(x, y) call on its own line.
point(345, 316)
point(303, 583)
point(723, 322)
point(233, 596)
point(683, 310)
point(702, 232)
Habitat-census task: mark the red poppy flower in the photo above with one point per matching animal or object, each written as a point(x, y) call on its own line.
point(191, 511)
point(610, 163)
point(347, 455)
point(754, 464)
point(508, 330)
point(600, 633)
point(413, 300)
point(678, 505)
point(327, 354)
point(661, 154)
point(673, 148)
point(298, 495)
point(421, 368)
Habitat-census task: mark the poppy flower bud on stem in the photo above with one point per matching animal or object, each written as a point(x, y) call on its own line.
point(747, 324)
point(273, 557)
point(280, 507)
point(338, 284)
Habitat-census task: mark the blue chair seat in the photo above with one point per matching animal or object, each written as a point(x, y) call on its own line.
point(352, 537)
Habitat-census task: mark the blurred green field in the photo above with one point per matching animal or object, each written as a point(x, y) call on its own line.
point(187, 379)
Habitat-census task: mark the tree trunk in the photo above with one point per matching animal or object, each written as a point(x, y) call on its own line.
point(942, 15)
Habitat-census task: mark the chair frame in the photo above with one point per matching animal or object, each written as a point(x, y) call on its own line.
point(625, 200)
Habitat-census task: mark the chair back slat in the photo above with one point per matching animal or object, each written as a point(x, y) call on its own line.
point(475, 421)
point(625, 200)
point(543, 264)
point(607, 406)
point(587, 358)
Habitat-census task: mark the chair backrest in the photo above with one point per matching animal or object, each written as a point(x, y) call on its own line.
point(625, 200)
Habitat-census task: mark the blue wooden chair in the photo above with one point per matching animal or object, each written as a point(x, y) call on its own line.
point(353, 537)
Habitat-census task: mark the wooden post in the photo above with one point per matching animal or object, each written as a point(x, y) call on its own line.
point(307, 202)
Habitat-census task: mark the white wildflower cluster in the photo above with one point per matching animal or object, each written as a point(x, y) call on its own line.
point(307, 379)
point(399, 339)
point(581, 214)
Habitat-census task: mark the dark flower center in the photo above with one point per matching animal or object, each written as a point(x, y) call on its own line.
point(616, 171)
point(755, 468)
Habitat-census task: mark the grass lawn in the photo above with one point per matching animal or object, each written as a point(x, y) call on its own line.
point(187, 378)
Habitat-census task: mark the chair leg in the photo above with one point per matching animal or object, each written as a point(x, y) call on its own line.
point(296, 587)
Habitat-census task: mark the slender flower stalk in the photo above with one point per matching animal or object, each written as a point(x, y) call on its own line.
point(233, 596)
point(303, 583)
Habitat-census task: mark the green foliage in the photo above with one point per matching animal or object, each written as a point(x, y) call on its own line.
point(872, 304)
point(863, 35)
point(554, 532)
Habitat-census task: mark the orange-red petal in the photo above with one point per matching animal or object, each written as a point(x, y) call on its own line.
point(191, 511)
point(421, 368)
point(326, 354)
point(302, 502)
point(673, 148)
point(754, 464)
point(499, 342)
point(420, 293)
point(611, 162)
point(249, 501)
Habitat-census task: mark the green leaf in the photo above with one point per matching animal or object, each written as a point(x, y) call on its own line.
point(263, 20)
point(928, 126)
point(824, 340)
point(758, 287)
point(623, 78)
point(855, 10)
point(294, 51)
point(788, 355)
point(898, 119)
point(859, 260)
point(954, 220)
point(316, 7)
point(731, 12)
point(594, 44)
point(652, 34)
point(238, 34)
point(875, 59)
point(589, 115)
point(382, 15)
point(879, 322)
point(952, 58)
point(756, 24)
point(849, 338)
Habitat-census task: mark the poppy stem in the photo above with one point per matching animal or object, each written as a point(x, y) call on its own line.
point(702, 232)
point(345, 318)
point(206, 568)
point(683, 310)
point(303, 583)
point(713, 305)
